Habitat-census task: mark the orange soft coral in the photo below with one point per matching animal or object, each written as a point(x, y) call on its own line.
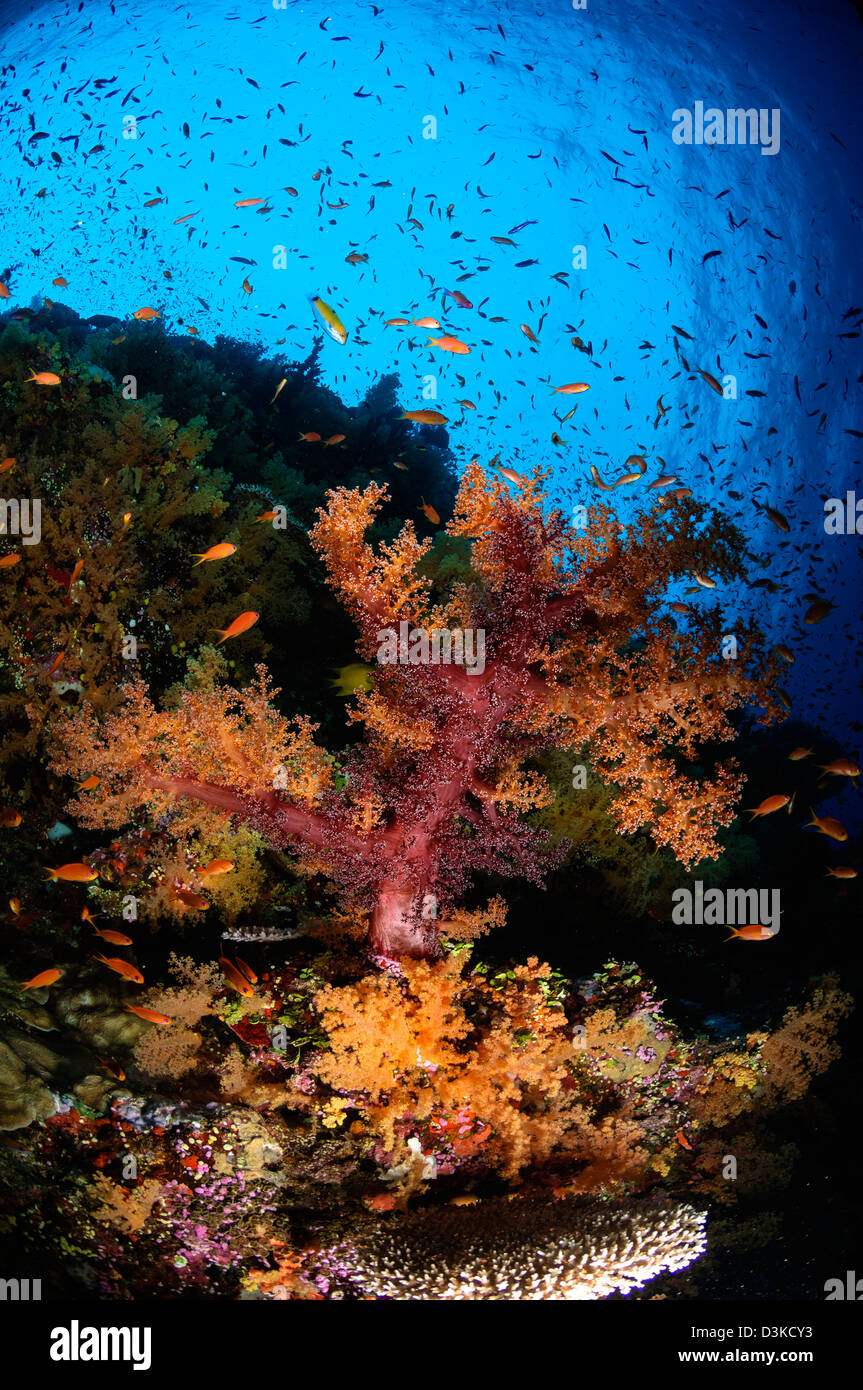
point(577, 649)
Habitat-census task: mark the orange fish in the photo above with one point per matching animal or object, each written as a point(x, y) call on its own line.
point(56, 664)
point(216, 552)
point(122, 967)
point(817, 611)
point(46, 977)
point(266, 516)
point(769, 805)
point(4, 290)
point(246, 286)
point(249, 202)
point(112, 1069)
point(178, 220)
point(355, 258)
point(466, 405)
point(153, 201)
point(6, 465)
point(75, 573)
point(511, 475)
point(664, 481)
point(594, 473)
point(44, 378)
point(778, 519)
point(753, 933)
point(60, 282)
point(430, 512)
point(149, 1015)
point(426, 323)
point(461, 300)
point(828, 826)
point(247, 970)
point(711, 381)
point(528, 333)
point(388, 323)
point(682, 1140)
point(235, 978)
point(293, 191)
point(15, 906)
point(147, 313)
point(215, 866)
point(799, 753)
point(238, 626)
point(89, 784)
point(425, 417)
point(572, 388)
point(114, 938)
point(449, 344)
point(842, 871)
point(192, 899)
point(334, 439)
point(842, 767)
point(9, 817)
point(9, 560)
point(88, 916)
point(72, 873)
point(310, 437)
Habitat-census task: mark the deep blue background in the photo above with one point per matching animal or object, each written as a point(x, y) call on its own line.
point(551, 115)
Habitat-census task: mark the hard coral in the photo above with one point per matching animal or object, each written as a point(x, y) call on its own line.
point(522, 1250)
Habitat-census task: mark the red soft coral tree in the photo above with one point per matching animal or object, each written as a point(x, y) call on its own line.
point(580, 647)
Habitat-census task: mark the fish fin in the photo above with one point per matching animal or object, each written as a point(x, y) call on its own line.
point(732, 936)
point(49, 875)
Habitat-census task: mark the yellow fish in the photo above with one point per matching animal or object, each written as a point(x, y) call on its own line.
point(357, 676)
point(329, 318)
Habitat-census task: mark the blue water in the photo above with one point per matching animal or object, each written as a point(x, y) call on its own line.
point(551, 116)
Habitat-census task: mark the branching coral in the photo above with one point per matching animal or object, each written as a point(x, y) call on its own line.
point(578, 648)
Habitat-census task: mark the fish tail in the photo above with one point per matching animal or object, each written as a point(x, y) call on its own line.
point(223, 633)
point(734, 933)
point(199, 560)
point(50, 873)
